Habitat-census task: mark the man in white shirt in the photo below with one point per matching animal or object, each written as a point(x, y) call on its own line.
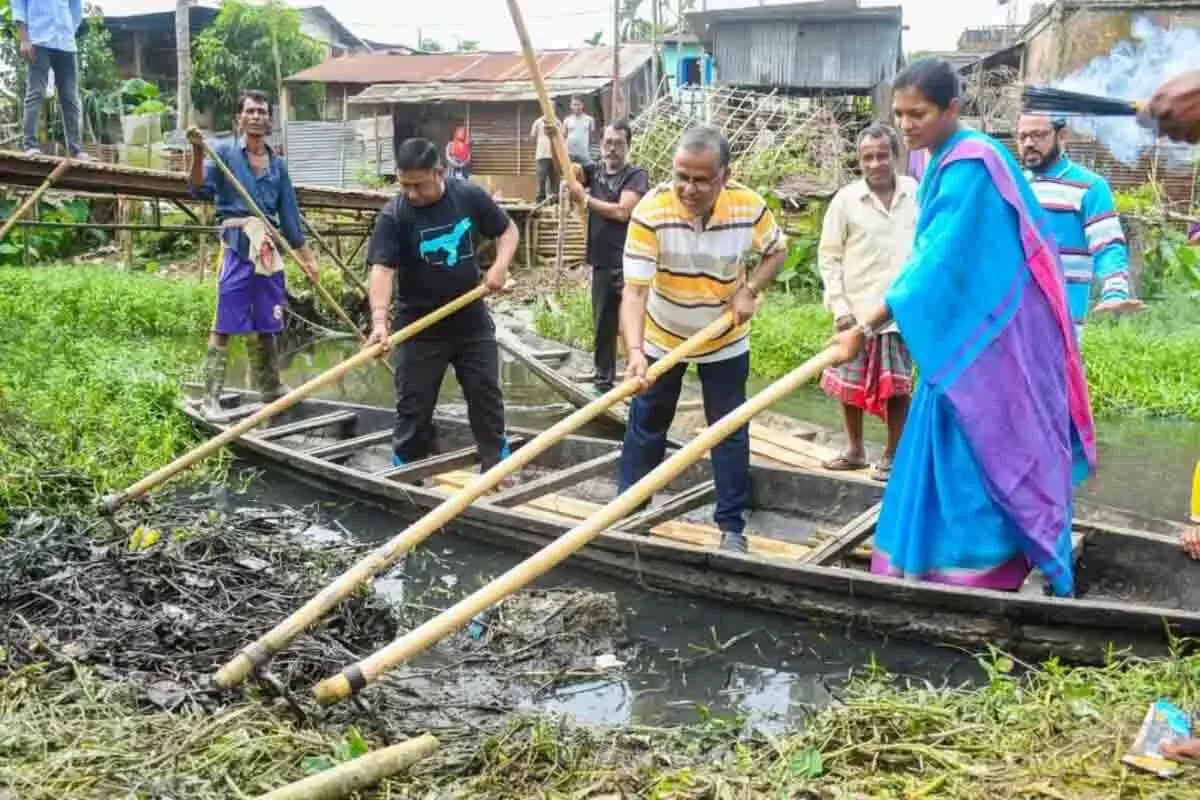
point(579, 127)
point(865, 239)
point(547, 175)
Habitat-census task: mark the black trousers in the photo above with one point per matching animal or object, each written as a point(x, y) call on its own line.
point(547, 177)
point(421, 366)
point(607, 283)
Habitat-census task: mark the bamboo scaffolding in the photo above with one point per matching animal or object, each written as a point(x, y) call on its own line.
point(30, 201)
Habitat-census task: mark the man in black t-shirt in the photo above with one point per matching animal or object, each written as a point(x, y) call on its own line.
point(610, 188)
point(423, 249)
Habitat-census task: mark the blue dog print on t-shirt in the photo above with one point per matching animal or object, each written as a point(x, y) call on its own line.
point(449, 242)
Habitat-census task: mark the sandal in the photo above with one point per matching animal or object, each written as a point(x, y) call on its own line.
point(882, 470)
point(844, 463)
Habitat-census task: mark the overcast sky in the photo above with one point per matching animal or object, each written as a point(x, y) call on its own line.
point(933, 24)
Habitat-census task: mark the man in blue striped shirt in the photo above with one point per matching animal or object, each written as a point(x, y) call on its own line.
point(46, 29)
point(1082, 218)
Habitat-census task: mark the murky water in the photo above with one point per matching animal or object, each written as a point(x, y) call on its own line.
point(696, 654)
point(692, 657)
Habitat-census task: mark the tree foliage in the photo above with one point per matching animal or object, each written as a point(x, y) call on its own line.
point(237, 52)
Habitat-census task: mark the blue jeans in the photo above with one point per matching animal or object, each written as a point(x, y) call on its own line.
point(66, 82)
point(723, 386)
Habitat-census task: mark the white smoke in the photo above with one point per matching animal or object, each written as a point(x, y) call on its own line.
point(1132, 71)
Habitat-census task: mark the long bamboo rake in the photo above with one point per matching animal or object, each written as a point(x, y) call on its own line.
point(23, 209)
point(557, 146)
point(259, 652)
point(114, 501)
point(361, 773)
point(357, 676)
point(280, 241)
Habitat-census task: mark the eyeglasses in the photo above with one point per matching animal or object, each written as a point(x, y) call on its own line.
point(1034, 136)
point(699, 184)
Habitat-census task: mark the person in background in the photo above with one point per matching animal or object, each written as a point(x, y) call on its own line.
point(1083, 218)
point(684, 268)
point(547, 174)
point(579, 127)
point(422, 254)
point(251, 289)
point(46, 38)
point(866, 237)
point(610, 190)
point(458, 155)
point(1001, 424)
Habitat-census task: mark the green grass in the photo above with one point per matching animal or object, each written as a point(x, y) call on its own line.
point(1143, 364)
point(91, 362)
point(1053, 733)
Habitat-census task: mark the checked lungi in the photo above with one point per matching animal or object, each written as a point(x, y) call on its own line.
point(881, 371)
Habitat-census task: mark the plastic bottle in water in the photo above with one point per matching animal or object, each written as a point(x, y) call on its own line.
point(480, 623)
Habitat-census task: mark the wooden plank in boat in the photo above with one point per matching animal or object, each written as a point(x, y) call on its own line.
point(552, 354)
point(685, 501)
point(556, 480)
point(849, 537)
point(795, 444)
point(348, 447)
point(441, 463)
point(306, 425)
point(575, 510)
point(234, 414)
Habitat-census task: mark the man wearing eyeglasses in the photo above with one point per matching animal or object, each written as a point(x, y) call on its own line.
point(1082, 218)
point(685, 266)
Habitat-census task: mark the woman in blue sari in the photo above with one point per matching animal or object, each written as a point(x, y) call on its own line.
point(1001, 428)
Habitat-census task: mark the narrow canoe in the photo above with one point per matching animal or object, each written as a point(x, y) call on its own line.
point(808, 531)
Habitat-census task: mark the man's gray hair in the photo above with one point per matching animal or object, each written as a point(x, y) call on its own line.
point(706, 138)
point(880, 131)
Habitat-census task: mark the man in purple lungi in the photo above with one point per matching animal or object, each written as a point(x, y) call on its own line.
point(251, 293)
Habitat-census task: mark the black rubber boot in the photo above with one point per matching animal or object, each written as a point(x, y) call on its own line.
point(265, 363)
point(214, 379)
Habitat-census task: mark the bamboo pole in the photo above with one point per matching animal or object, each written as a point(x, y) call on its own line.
point(361, 773)
point(557, 146)
point(114, 501)
point(280, 241)
point(23, 209)
point(259, 652)
point(357, 676)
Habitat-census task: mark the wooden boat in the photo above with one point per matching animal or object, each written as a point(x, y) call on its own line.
point(1136, 588)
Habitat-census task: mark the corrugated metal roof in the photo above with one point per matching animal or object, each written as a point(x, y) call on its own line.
point(324, 153)
point(847, 54)
point(372, 68)
point(702, 22)
point(477, 91)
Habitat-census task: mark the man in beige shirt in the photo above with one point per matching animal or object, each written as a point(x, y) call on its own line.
point(865, 239)
point(547, 175)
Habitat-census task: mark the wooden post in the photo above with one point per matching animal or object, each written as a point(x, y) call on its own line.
point(358, 676)
point(614, 109)
point(183, 55)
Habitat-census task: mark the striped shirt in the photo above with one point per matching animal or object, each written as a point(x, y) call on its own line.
point(693, 271)
point(1084, 223)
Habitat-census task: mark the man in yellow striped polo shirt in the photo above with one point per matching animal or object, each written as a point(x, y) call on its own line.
point(685, 256)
